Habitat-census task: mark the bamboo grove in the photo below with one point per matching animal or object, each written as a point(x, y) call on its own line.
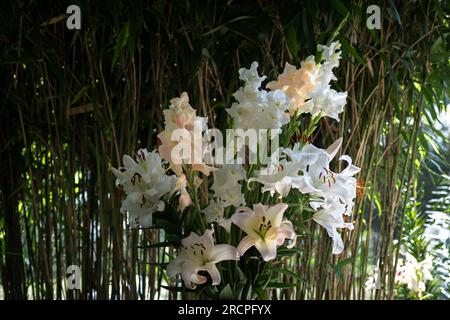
point(73, 101)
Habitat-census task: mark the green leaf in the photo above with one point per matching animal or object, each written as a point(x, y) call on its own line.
point(226, 293)
point(344, 262)
point(350, 49)
point(281, 285)
point(157, 245)
point(338, 29)
point(287, 272)
point(121, 42)
point(80, 94)
point(261, 293)
point(395, 12)
point(291, 37)
point(285, 252)
point(340, 7)
point(223, 25)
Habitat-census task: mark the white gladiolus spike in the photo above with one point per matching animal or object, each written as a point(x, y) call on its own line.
point(309, 87)
point(269, 108)
point(198, 253)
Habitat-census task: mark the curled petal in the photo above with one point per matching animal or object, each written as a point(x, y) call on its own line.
point(190, 275)
point(338, 244)
point(184, 201)
point(350, 170)
point(245, 244)
point(214, 273)
point(128, 161)
point(285, 231)
point(226, 224)
point(223, 252)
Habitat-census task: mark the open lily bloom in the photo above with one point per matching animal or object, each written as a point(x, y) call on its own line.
point(284, 176)
point(296, 83)
point(328, 184)
point(319, 180)
point(331, 217)
point(280, 178)
point(413, 273)
point(328, 102)
point(198, 253)
point(144, 181)
point(265, 229)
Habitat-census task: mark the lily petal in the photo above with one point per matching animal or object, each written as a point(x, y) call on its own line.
point(173, 268)
point(246, 243)
point(275, 213)
point(350, 170)
point(214, 273)
point(243, 219)
point(334, 148)
point(338, 244)
point(223, 252)
point(190, 275)
point(268, 249)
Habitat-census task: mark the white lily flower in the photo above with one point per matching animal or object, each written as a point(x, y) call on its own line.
point(198, 253)
point(227, 185)
point(214, 213)
point(319, 180)
point(312, 161)
point(331, 217)
point(265, 229)
point(280, 178)
point(144, 181)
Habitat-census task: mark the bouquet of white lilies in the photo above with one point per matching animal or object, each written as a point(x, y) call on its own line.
point(228, 210)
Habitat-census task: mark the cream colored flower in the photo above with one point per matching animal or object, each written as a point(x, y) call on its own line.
point(198, 253)
point(265, 229)
point(309, 86)
point(181, 118)
point(413, 273)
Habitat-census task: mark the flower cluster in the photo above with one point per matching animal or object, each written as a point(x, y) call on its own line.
point(249, 197)
point(309, 87)
point(257, 108)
